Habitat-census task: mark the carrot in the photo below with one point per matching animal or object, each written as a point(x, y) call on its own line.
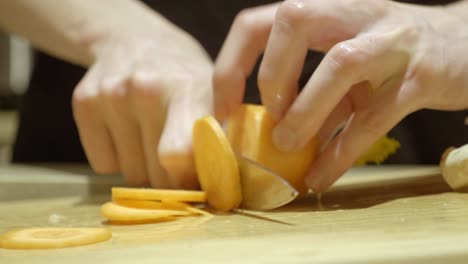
point(115, 212)
point(250, 130)
point(158, 194)
point(164, 205)
point(216, 165)
point(53, 237)
point(184, 206)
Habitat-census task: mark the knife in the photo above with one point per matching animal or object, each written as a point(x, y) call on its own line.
point(262, 188)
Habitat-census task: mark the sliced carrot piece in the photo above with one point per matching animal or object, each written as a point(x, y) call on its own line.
point(216, 164)
point(198, 211)
point(139, 222)
point(53, 237)
point(141, 204)
point(184, 206)
point(250, 130)
point(116, 212)
point(167, 205)
point(158, 194)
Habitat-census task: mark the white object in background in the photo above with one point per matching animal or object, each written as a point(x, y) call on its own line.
point(20, 64)
point(454, 165)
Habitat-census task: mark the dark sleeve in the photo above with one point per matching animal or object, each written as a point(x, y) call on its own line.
point(47, 132)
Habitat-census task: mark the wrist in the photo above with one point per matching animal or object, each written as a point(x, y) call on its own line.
point(456, 21)
point(458, 9)
point(98, 32)
point(448, 23)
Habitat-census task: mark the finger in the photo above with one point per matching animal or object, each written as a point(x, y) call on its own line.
point(357, 98)
point(175, 149)
point(150, 104)
point(94, 135)
point(123, 126)
point(282, 63)
point(371, 59)
point(298, 26)
point(364, 128)
point(335, 122)
point(245, 42)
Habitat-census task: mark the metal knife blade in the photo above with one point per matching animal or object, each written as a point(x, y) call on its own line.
point(263, 189)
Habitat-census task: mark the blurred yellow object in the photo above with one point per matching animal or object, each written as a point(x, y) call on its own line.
point(379, 152)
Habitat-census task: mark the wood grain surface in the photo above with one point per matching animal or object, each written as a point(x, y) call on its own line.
point(386, 214)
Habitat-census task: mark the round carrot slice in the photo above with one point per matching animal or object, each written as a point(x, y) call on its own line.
point(158, 194)
point(116, 212)
point(141, 204)
point(216, 164)
point(166, 204)
point(53, 237)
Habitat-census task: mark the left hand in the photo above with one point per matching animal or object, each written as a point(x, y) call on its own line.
point(383, 61)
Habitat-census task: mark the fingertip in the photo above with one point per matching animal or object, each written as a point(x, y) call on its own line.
point(284, 138)
point(109, 165)
point(318, 180)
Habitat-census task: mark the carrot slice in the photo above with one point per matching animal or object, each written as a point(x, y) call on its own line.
point(216, 164)
point(184, 206)
point(165, 205)
point(139, 222)
point(141, 204)
point(53, 237)
point(120, 213)
point(158, 194)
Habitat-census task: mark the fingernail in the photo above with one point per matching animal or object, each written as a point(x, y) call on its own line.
point(284, 138)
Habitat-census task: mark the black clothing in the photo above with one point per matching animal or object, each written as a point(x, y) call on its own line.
point(47, 132)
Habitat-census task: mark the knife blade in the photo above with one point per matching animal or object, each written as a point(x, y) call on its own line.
point(262, 188)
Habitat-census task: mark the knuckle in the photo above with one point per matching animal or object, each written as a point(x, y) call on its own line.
point(250, 22)
point(83, 99)
point(346, 56)
point(111, 89)
point(294, 12)
point(146, 90)
point(246, 20)
point(144, 77)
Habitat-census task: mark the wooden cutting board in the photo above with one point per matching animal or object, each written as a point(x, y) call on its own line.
point(386, 214)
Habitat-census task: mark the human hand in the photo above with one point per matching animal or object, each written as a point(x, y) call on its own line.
point(136, 105)
point(383, 61)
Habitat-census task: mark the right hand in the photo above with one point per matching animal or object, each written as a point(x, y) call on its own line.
point(383, 60)
point(136, 105)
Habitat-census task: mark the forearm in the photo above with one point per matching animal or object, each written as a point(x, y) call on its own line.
point(73, 29)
